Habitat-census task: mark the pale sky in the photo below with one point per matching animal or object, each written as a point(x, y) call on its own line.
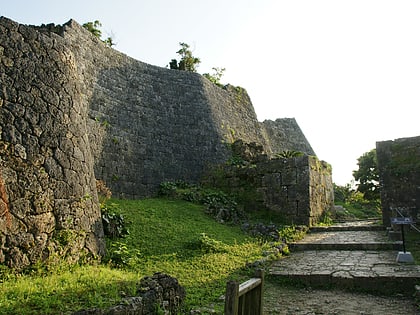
point(347, 71)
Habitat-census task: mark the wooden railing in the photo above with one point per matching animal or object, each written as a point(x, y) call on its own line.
point(245, 298)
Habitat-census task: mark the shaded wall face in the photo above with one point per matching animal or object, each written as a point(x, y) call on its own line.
point(46, 171)
point(299, 189)
point(149, 124)
point(285, 135)
point(159, 128)
point(399, 174)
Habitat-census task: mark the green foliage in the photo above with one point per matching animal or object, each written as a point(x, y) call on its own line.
point(287, 154)
point(168, 189)
point(114, 223)
point(222, 207)
point(109, 42)
point(64, 291)
point(326, 219)
point(120, 255)
point(208, 245)
point(367, 175)
point(216, 76)
point(162, 232)
point(218, 204)
point(65, 237)
point(236, 160)
point(93, 27)
point(292, 233)
point(342, 193)
point(187, 62)
point(356, 205)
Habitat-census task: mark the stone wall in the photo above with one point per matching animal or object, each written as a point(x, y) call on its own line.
point(284, 134)
point(299, 189)
point(48, 197)
point(399, 173)
point(73, 110)
point(150, 124)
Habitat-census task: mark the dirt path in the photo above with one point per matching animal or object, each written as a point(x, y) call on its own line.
point(298, 301)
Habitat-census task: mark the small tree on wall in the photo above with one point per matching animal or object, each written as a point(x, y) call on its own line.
point(216, 76)
point(93, 27)
point(188, 62)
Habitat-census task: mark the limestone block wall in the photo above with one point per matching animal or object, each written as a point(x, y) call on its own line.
point(73, 110)
point(149, 124)
point(299, 189)
point(48, 198)
point(399, 173)
point(284, 134)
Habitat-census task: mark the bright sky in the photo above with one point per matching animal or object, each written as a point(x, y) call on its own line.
point(347, 70)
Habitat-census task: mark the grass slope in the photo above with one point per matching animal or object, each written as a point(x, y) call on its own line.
point(165, 236)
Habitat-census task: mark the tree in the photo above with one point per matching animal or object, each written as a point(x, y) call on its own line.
point(216, 76)
point(188, 62)
point(367, 175)
point(93, 27)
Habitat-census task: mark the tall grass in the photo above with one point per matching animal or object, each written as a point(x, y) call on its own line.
point(174, 237)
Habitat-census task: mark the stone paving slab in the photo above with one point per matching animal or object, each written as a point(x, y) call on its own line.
point(350, 255)
point(347, 240)
point(358, 237)
point(375, 271)
point(360, 225)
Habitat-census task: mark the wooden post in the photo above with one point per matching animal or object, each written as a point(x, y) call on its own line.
point(259, 273)
point(232, 298)
point(246, 298)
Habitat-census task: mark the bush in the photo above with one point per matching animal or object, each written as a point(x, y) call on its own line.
point(167, 189)
point(113, 222)
point(355, 203)
point(218, 204)
point(209, 245)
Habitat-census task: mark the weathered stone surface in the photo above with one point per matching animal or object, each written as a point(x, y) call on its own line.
point(35, 125)
point(300, 188)
point(399, 173)
point(73, 109)
point(284, 134)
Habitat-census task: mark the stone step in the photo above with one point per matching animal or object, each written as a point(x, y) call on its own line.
point(317, 229)
point(346, 240)
point(346, 246)
point(371, 271)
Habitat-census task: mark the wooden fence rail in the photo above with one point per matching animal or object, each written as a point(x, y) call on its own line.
point(245, 298)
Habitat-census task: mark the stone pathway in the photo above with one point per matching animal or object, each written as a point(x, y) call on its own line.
point(349, 256)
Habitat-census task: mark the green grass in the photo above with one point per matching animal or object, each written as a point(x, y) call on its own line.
point(357, 211)
point(165, 236)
